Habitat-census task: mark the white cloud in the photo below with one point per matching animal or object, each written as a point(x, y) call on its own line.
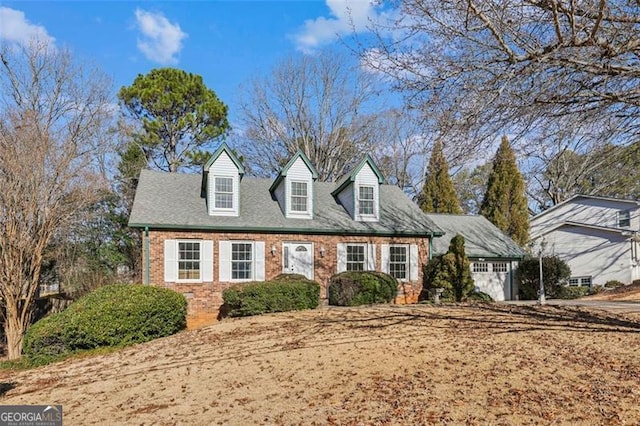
point(17, 29)
point(346, 16)
point(160, 39)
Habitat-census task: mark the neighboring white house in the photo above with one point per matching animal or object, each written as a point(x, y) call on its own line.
point(493, 255)
point(597, 236)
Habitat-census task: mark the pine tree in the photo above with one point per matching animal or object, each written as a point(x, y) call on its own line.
point(438, 193)
point(505, 202)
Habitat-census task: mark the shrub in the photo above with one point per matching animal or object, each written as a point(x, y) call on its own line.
point(450, 272)
point(286, 292)
point(555, 274)
point(613, 284)
point(114, 315)
point(573, 292)
point(353, 288)
point(479, 296)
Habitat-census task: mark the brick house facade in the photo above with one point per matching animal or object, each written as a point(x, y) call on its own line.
point(203, 234)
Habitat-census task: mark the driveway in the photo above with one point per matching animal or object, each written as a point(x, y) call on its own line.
point(605, 305)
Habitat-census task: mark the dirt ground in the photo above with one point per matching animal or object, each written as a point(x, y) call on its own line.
point(628, 293)
point(467, 364)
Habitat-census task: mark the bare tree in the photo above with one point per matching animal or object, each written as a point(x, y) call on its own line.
point(478, 68)
point(402, 152)
point(51, 135)
point(317, 104)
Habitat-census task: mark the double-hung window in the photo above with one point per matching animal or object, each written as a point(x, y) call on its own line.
point(399, 261)
point(241, 261)
point(223, 193)
point(624, 219)
point(356, 257)
point(366, 200)
point(299, 198)
point(189, 260)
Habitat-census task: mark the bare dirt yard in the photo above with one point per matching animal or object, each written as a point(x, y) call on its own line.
point(420, 364)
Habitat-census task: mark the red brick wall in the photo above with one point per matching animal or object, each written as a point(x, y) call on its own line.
point(205, 299)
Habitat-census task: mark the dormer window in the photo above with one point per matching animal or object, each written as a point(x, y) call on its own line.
point(299, 197)
point(221, 182)
point(366, 200)
point(223, 193)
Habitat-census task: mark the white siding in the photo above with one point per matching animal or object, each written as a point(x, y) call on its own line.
point(589, 211)
point(223, 167)
point(602, 255)
point(366, 176)
point(280, 194)
point(299, 172)
point(346, 198)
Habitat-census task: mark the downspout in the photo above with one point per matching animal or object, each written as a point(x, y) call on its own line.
point(146, 255)
point(511, 280)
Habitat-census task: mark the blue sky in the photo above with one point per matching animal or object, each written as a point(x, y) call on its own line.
point(227, 42)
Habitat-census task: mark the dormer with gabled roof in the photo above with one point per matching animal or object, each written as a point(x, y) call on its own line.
point(293, 187)
point(221, 182)
point(359, 192)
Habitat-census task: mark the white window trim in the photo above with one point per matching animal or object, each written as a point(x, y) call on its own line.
point(233, 194)
point(253, 261)
point(200, 263)
point(494, 267)
point(291, 196)
point(373, 201)
point(579, 279)
point(628, 214)
point(473, 268)
point(407, 271)
point(364, 260)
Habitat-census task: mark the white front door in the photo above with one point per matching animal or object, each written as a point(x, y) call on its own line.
point(298, 259)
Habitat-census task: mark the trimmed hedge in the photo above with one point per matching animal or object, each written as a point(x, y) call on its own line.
point(361, 288)
point(113, 315)
point(479, 296)
point(286, 292)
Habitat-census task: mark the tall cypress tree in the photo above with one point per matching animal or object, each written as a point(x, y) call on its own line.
point(438, 193)
point(505, 202)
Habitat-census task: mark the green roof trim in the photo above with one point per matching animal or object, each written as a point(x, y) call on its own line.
point(285, 169)
point(351, 177)
point(270, 230)
point(224, 148)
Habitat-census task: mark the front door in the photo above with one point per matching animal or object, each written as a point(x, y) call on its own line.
point(298, 259)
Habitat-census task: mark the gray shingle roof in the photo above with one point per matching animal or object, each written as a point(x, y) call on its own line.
point(482, 238)
point(173, 200)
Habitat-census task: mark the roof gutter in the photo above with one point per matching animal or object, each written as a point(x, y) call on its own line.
point(232, 229)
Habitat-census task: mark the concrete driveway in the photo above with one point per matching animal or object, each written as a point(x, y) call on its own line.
point(605, 305)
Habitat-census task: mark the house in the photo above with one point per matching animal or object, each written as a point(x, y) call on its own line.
point(494, 256)
point(597, 236)
point(204, 233)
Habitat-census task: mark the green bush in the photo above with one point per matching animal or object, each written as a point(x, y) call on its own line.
point(450, 272)
point(555, 275)
point(479, 296)
point(286, 292)
point(613, 284)
point(114, 315)
point(355, 288)
point(573, 292)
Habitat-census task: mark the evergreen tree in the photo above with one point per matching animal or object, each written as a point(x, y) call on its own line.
point(451, 271)
point(179, 116)
point(505, 202)
point(438, 193)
